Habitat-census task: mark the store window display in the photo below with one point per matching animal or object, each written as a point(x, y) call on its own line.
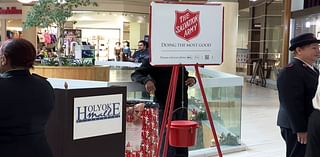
point(46, 40)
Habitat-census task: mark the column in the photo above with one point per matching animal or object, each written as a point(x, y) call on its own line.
point(137, 32)
point(230, 38)
point(286, 31)
point(3, 30)
point(31, 33)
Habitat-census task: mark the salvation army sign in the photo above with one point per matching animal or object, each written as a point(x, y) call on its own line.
point(97, 115)
point(187, 24)
point(186, 33)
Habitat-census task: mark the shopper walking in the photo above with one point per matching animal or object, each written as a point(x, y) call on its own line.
point(26, 102)
point(156, 80)
point(297, 84)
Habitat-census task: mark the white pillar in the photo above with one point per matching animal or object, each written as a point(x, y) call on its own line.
point(3, 29)
point(137, 32)
point(230, 38)
point(31, 33)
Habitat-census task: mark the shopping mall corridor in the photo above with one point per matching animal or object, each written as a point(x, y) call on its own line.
point(259, 112)
point(259, 131)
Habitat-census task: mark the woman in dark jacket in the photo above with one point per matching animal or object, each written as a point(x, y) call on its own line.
point(26, 102)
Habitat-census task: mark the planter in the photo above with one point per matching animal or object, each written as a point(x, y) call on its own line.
point(94, 73)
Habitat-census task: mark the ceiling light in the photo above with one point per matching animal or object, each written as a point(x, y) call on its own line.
point(308, 24)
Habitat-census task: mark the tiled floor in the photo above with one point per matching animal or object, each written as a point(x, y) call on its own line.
point(259, 131)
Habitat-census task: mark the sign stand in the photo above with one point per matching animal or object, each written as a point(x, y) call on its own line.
point(189, 38)
point(169, 109)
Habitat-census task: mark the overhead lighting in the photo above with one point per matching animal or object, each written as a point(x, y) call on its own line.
point(308, 24)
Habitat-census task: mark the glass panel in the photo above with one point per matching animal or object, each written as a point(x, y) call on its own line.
point(274, 39)
point(307, 24)
point(259, 10)
point(274, 21)
point(275, 8)
point(224, 94)
point(225, 107)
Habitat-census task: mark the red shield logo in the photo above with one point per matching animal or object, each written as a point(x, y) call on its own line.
point(187, 25)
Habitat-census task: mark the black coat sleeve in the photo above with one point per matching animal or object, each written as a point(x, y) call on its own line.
point(142, 73)
point(292, 98)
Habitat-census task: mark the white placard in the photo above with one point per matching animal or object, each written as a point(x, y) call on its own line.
point(185, 33)
point(97, 115)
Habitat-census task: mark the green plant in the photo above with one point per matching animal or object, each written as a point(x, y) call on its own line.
point(50, 62)
point(83, 62)
point(67, 62)
point(46, 13)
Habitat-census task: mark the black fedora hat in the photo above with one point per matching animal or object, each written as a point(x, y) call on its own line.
point(302, 40)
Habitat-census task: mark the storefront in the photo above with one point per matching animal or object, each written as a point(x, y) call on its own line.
point(99, 28)
point(104, 29)
point(10, 21)
point(305, 18)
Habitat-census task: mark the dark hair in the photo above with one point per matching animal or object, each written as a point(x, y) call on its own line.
point(144, 43)
point(128, 43)
point(20, 52)
point(118, 43)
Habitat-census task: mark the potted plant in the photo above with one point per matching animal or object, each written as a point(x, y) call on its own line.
point(46, 13)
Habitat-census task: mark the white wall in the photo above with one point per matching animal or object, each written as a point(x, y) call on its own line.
point(230, 38)
point(137, 32)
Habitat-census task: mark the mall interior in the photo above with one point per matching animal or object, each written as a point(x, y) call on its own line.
point(241, 92)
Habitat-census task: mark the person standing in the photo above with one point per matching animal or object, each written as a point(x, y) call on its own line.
point(156, 81)
point(297, 84)
point(26, 102)
point(313, 144)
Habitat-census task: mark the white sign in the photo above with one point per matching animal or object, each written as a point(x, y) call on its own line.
point(97, 115)
point(185, 33)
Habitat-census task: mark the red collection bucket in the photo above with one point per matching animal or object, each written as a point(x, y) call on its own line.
point(183, 133)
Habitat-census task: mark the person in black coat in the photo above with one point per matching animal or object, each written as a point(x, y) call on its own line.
point(156, 80)
point(26, 102)
point(297, 84)
point(313, 144)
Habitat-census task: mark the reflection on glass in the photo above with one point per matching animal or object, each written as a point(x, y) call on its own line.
point(225, 108)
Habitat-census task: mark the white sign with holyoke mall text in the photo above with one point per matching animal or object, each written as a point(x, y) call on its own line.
point(97, 115)
point(186, 33)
